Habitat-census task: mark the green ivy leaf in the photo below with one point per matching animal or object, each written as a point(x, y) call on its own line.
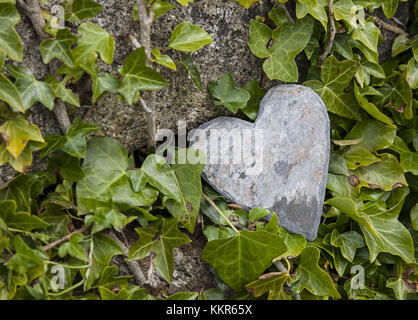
point(169, 238)
point(398, 286)
point(256, 94)
point(318, 11)
point(101, 252)
point(295, 243)
point(272, 283)
point(371, 108)
point(93, 40)
point(346, 10)
point(106, 182)
point(389, 7)
point(60, 48)
point(368, 35)
point(105, 218)
point(68, 167)
point(260, 35)
point(19, 220)
point(335, 78)
point(381, 229)
point(109, 278)
point(375, 136)
point(311, 277)
point(244, 257)
point(289, 40)
point(10, 43)
point(73, 248)
point(82, 10)
point(9, 93)
point(61, 91)
point(246, 3)
point(184, 2)
point(386, 174)
point(137, 76)
point(32, 90)
point(188, 38)
point(162, 59)
point(187, 63)
point(228, 95)
point(348, 242)
point(189, 185)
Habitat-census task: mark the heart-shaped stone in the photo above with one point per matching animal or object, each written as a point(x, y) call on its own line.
point(279, 162)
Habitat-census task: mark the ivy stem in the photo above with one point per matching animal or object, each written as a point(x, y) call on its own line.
point(219, 211)
point(331, 35)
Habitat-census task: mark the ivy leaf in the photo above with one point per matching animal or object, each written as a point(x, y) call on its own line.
point(73, 248)
point(381, 229)
point(368, 35)
point(228, 95)
point(311, 277)
point(318, 11)
point(398, 286)
point(82, 10)
point(162, 59)
point(25, 259)
point(19, 220)
point(160, 7)
point(93, 39)
point(16, 134)
point(75, 144)
point(346, 10)
point(365, 70)
point(60, 48)
point(288, 42)
point(169, 238)
point(386, 174)
point(256, 94)
point(109, 278)
point(61, 91)
point(188, 38)
point(246, 3)
point(137, 76)
point(375, 136)
point(256, 214)
point(105, 83)
point(371, 108)
point(106, 182)
point(348, 242)
point(389, 7)
point(295, 243)
point(187, 63)
point(397, 95)
point(68, 167)
point(260, 35)
point(272, 283)
point(32, 90)
point(244, 257)
point(105, 218)
point(10, 43)
point(190, 187)
point(9, 93)
point(335, 78)
point(184, 2)
point(101, 252)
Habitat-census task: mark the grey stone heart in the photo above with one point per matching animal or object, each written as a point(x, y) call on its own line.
point(279, 162)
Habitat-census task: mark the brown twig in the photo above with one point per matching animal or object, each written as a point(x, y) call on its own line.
point(390, 27)
point(64, 239)
point(331, 35)
point(33, 11)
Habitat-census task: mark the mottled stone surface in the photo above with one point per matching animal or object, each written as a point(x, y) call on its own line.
point(283, 168)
